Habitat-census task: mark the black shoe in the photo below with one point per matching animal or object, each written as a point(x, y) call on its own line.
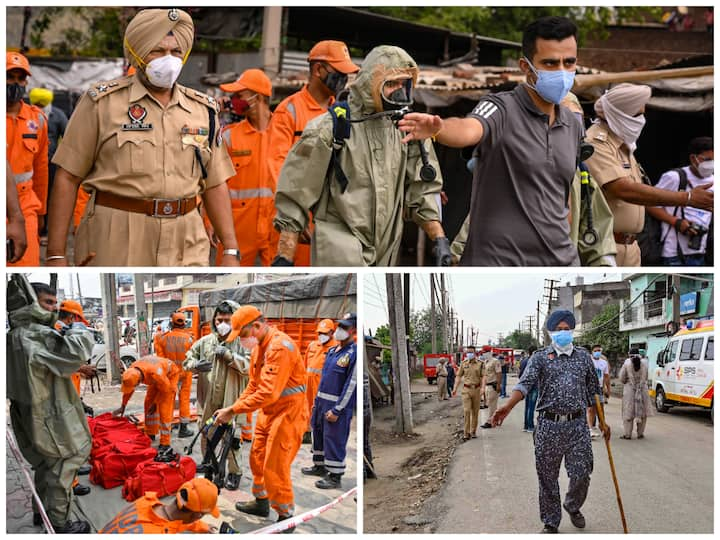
point(576, 518)
point(73, 527)
point(88, 411)
point(152, 437)
point(165, 454)
point(331, 481)
point(37, 520)
point(203, 468)
point(258, 507)
point(81, 490)
point(549, 529)
point(84, 469)
point(185, 431)
point(307, 438)
point(315, 470)
point(289, 530)
point(486, 425)
point(233, 481)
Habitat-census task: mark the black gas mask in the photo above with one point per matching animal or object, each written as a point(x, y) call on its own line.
point(15, 92)
point(335, 82)
point(398, 98)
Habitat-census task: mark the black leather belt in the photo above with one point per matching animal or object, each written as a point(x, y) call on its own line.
point(561, 417)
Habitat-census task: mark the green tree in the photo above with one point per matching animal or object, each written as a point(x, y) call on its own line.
point(605, 331)
point(519, 340)
point(382, 334)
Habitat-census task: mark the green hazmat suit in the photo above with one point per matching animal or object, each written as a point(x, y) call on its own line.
point(362, 226)
point(602, 253)
point(45, 410)
point(223, 385)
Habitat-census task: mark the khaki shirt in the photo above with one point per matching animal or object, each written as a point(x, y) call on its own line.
point(441, 370)
point(471, 372)
point(493, 370)
point(612, 160)
point(121, 140)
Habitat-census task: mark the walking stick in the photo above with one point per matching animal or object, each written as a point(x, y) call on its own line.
point(601, 415)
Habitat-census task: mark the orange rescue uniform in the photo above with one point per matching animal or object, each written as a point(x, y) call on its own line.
point(314, 362)
point(80, 203)
point(174, 345)
point(277, 388)
point(161, 377)
point(252, 192)
point(139, 518)
point(27, 154)
point(288, 122)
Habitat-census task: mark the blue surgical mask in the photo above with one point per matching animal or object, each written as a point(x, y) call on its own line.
point(597, 354)
point(562, 338)
point(552, 86)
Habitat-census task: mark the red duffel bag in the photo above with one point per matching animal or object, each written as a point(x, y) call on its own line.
point(117, 462)
point(162, 478)
point(107, 422)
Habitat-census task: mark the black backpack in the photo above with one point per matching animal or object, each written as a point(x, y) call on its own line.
point(651, 239)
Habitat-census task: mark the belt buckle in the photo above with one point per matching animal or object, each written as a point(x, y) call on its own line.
point(166, 211)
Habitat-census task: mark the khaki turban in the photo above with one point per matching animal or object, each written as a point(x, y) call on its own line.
point(628, 98)
point(150, 26)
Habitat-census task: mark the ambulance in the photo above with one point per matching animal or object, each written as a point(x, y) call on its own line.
point(684, 373)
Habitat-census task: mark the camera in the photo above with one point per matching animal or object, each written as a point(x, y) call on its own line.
point(694, 242)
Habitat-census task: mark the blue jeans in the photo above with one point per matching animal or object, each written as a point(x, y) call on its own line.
point(530, 400)
point(690, 260)
point(503, 385)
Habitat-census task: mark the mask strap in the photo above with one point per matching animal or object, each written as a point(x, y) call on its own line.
point(141, 63)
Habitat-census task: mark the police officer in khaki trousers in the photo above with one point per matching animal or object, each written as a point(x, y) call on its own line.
point(471, 376)
point(442, 373)
point(493, 376)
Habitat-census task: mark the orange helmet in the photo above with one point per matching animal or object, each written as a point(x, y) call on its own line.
point(71, 306)
point(178, 319)
point(325, 326)
point(130, 379)
point(15, 60)
point(199, 495)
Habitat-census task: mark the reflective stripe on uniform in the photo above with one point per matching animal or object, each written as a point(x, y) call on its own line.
point(335, 463)
point(256, 193)
point(291, 110)
point(293, 390)
point(349, 392)
point(22, 177)
point(314, 370)
point(329, 397)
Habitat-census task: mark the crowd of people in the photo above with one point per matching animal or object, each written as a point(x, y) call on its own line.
point(245, 368)
point(325, 179)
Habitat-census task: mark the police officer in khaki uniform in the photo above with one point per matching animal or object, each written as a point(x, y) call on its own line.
point(471, 376)
point(613, 165)
point(493, 376)
point(145, 148)
point(442, 374)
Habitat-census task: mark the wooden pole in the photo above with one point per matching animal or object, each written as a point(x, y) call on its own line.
point(601, 415)
point(597, 79)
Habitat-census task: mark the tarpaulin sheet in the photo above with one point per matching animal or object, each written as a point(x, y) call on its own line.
point(76, 76)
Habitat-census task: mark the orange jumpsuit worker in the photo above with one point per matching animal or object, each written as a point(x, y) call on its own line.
point(314, 362)
point(329, 66)
point(27, 154)
point(148, 515)
point(161, 376)
point(252, 191)
point(277, 388)
point(174, 345)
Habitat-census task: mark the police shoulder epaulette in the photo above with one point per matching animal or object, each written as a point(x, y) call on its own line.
point(206, 100)
point(102, 89)
point(601, 135)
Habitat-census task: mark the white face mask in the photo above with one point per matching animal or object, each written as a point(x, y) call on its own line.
point(706, 168)
point(341, 334)
point(323, 339)
point(164, 71)
point(249, 343)
point(470, 355)
point(223, 328)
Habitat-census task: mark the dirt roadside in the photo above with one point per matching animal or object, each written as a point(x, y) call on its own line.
point(410, 468)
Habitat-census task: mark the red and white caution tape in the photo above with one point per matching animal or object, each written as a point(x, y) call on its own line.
point(304, 517)
point(18, 456)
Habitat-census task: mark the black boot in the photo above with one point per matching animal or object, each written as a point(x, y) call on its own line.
point(233, 481)
point(315, 470)
point(289, 530)
point(84, 469)
point(185, 431)
point(331, 481)
point(73, 527)
point(258, 507)
point(81, 490)
point(165, 454)
point(307, 438)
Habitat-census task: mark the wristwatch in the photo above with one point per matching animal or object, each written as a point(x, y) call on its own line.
point(232, 252)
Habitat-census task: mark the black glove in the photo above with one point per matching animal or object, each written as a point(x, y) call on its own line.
point(203, 366)
point(223, 352)
point(441, 251)
point(281, 261)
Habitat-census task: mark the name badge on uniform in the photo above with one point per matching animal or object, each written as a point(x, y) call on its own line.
point(137, 114)
point(194, 136)
point(240, 153)
point(344, 360)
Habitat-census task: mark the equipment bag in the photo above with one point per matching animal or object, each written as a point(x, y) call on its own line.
point(108, 423)
point(117, 462)
point(162, 478)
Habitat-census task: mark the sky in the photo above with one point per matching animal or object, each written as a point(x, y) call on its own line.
point(89, 283)
point(492, 303)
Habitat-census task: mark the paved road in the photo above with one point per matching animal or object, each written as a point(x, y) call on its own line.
point(103, 504)
point(666, 479)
